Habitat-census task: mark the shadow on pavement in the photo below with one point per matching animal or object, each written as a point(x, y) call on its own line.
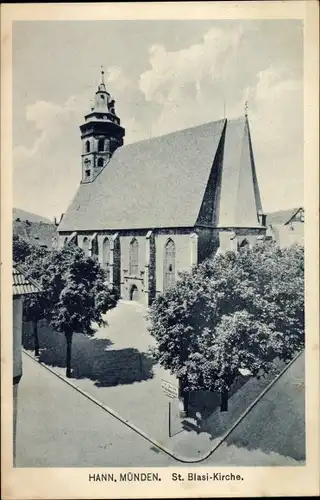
point(91, 357)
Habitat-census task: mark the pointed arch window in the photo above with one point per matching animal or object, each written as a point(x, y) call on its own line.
point(244, 244)
point(87, 147)
point(101, 145)
point(169, 265)
point(85, 246)
point(134, 258)
point(106, 256)
point(100, 162)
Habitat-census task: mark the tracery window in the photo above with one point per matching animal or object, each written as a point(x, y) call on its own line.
point(169, 264)
point(134, 258)
point(106, 256)
point(85, 246)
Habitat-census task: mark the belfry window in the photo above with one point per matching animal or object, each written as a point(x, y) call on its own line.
point(87, 147)
point(134, 258)
point(101, 145)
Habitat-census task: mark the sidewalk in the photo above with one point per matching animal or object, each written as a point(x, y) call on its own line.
point(113, 368)
point(59, 427)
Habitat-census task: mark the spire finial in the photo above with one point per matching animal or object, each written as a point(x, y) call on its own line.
point(102, 75)
point(246, 108)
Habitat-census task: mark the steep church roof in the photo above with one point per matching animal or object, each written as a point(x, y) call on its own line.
point(161, 182)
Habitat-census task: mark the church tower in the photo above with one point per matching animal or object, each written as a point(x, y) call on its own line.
point(101, 134)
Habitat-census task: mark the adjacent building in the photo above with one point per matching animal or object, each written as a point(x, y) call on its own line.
point(153, 208)
point(21, 286)
point(286, 227)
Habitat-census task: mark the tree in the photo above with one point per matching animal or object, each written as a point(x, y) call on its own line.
point(74, 293)
point(233, 311)
point(20, 249)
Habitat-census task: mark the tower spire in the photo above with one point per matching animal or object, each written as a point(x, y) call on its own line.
point(101, 133)
point(246, 108)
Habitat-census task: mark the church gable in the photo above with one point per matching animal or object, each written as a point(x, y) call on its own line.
point(232, 197)
point(239, 203)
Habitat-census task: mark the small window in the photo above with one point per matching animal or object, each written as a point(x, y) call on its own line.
point(244, 243)
point(87, 174)
point(102, 97)
point(87, 146)
point(100, 162)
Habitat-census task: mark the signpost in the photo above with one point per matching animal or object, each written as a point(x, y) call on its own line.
point(172, 392)
point(169, 389)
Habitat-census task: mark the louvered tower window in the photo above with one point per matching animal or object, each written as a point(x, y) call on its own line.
point(101, 145)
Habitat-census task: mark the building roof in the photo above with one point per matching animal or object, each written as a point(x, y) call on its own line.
point(283, 216)
point(161, 182)
point(35, 233)
point(21, 284)
point(23, 215)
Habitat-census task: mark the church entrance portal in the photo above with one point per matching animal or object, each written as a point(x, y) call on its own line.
point(134, 295)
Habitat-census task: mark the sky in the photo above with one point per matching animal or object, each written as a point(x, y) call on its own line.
point(164, 76)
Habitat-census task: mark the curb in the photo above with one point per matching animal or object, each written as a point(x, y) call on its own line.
point(168, 452)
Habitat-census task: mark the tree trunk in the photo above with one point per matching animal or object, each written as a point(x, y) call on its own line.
point(186, 403)
point(68, 364)
point(184, 398)
point(36, 337)
point(224, 400)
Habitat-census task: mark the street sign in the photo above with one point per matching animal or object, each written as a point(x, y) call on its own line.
point(169, 389)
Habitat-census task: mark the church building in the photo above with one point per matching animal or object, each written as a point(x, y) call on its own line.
point(156, 207)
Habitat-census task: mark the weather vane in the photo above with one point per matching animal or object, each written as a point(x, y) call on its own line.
point(246, 108)
point(102, 74)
